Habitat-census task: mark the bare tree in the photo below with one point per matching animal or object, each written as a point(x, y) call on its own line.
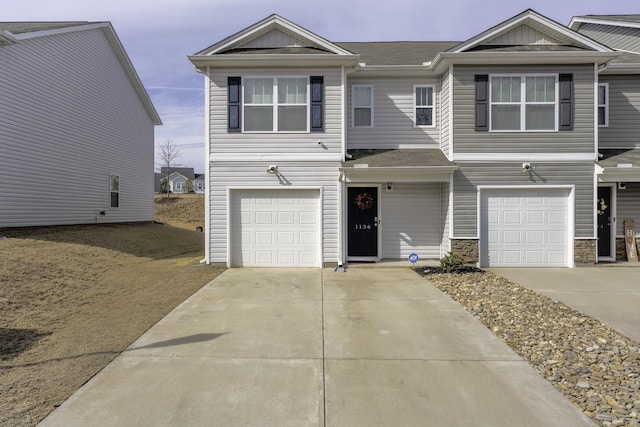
point(169, 154)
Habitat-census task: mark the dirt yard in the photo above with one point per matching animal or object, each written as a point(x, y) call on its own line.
point(73, 297)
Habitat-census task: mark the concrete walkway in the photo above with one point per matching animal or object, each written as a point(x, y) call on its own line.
point(311, 347)
point(608, 293)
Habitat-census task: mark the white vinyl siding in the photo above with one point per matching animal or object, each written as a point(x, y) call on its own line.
point(70, 116)
point(624, 121)
point(240, 145)
point(412, 221)
point(394, 123)
point(225, 176)
point(628, 207)
point(579, 140)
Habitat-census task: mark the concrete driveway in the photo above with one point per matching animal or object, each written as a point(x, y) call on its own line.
point(608, 293)
point(311, 347)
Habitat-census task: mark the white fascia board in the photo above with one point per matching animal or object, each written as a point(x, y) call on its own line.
point(505, 58)
point(293, 60)
point(276, 157)
point(576, 21)
point(524, 157)
point(398, 174)
point(70, 29)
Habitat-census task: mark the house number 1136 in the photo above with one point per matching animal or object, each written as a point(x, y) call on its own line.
point(363, 226)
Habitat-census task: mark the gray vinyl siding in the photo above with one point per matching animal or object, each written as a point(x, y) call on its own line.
point(624, 112)
point(253, 175)
point(245, 143)
point(445, 120)
point(412, 221)
point(70, 117)
point(578, 140)
point(470, 176)
point(628, 207)
point(621, 38)
point(393, 116)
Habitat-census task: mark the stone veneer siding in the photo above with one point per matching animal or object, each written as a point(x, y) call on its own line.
point(584, 251)
point(621, 248)
point(466, 248)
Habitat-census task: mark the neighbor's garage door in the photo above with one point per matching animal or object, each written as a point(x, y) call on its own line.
point(524, 228)
point(275, 228)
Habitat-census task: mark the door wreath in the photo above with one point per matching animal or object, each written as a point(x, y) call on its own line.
point(364, 201)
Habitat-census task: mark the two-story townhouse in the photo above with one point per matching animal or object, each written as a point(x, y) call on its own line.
point(324, 153)
point(618, 169)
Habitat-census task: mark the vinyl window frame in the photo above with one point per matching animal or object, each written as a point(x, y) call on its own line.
point(523, 103)
point(275, 104)
point(114, 191)
point(604, 105)
point(368, 106)
point(431, 106)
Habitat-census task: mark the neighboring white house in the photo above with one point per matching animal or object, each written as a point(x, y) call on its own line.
point(76, 127)
point(324, 153)
point(178, 180)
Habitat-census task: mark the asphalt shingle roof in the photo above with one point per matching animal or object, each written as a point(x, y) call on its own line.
point(611, 158)
point(398, 158)
point(396, 53)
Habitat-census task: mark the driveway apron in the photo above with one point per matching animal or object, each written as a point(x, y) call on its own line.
point(311, 347)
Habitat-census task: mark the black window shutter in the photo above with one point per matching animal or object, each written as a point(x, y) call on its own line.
point(566, 101)
point(482, 102)
point(317, 103)
point(233, 100)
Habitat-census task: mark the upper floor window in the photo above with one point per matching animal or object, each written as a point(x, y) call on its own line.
point(603, 104)
point(524, 102)
point(362, 106)
point(423, 106)
point(115, 191)
point(278, 104)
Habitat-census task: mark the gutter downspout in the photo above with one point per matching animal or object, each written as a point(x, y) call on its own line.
point(207, 172)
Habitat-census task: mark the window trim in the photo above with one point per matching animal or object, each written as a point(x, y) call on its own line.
point(432, 106)
point(523, 102)
point(605, 105)
point(111, 191)
point(353, 106)
point(275, 105)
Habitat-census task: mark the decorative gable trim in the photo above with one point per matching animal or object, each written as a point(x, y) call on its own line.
point(523, 35)
point(273, 39)
point(267, 25)
point(537, 22)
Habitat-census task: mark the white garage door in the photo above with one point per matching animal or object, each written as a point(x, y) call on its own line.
point(275, 228)
point(524, 228)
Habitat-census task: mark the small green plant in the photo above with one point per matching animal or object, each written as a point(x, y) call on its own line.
point(451, 262)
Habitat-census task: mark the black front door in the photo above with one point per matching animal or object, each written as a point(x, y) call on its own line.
point(362, 221)
point(603, 206)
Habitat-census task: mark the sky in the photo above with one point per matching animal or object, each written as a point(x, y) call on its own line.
point(159, 34)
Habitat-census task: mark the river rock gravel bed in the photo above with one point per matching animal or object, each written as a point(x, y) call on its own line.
point(594, 366)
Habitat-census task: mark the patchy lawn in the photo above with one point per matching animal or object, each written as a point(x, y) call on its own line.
point(73, 297)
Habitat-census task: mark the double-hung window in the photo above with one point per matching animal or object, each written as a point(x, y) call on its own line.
point(362, 106)
point(276, 104)
point(114, 185)
point(603, 104)
point(524, 103)
point(423, 106)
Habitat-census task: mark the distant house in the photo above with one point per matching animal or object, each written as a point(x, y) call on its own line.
point(76, 127)
point(178, 178)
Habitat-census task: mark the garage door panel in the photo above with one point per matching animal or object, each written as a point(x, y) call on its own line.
point(524, 227)
point(275, 228)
